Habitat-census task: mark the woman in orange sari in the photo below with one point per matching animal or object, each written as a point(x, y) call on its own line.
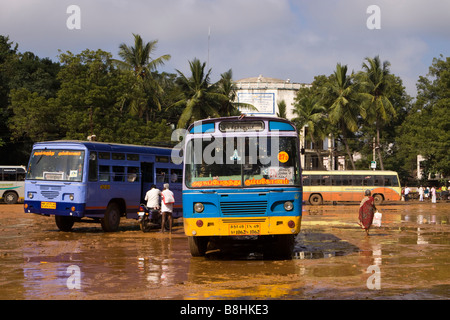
point(366, 211)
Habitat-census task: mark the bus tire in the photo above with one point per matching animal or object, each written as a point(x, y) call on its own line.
point(64, 223)
point(10, 197)
point(315, 199)
point(111, 220)
point(197, 246)
point(378, 199)
point(285, 245)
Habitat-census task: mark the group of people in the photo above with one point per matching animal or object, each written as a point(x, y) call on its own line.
point(431, 192)
point(165, 204)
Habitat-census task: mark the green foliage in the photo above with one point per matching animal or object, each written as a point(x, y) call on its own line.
point(426, 129)
point(129, 101)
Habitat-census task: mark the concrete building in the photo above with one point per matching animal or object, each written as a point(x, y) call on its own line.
point(265, 94)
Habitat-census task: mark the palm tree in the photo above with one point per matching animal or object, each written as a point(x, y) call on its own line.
point(138, 58)
point(227, 87)
point(145, 91)
point(281, 109)
point(200, 99)
point(311, 113)
point(341, 95)
point(376, 81)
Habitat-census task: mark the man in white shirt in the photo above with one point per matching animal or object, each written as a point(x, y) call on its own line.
point(167, 201)
point(152, 198)
point(407, 190)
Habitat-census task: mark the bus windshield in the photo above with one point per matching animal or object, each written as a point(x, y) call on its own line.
point(242, 162)
point(57, 165)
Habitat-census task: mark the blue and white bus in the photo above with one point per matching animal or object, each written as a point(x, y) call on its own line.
point(73, 180)
point(242, 177)
point(12, 183)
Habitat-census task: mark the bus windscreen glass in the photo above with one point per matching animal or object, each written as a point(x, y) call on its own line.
point(56, 165)
point(242, 162)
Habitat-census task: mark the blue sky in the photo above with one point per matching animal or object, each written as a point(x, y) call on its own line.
point(286, 39)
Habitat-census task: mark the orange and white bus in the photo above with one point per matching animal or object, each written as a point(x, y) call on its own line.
point(337, 186)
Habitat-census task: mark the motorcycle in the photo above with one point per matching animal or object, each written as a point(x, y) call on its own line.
point(148, 218)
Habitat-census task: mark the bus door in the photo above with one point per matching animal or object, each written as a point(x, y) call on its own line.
point(147, 173)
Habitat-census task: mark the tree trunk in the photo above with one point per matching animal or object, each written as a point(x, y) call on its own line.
point(378, 146)
point(316, 150)
point(347, 148)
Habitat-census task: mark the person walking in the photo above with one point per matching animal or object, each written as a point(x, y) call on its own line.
point(433, 194)
point(421, 192)
point(366, 211)
point(167, 202)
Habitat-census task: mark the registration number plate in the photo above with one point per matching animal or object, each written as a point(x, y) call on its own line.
point(244, 229)
point(48, 205)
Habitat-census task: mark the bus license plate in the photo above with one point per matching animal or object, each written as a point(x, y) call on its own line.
point(48, 205)
point(244, 229)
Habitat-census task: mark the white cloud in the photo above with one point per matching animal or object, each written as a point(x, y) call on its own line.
point(295, 39)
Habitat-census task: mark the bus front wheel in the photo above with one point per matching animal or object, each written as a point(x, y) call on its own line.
point(316, 199)
point(111, 220)
point(197, 246)
point(10, 197)
point(64, 223)
point(378, 199)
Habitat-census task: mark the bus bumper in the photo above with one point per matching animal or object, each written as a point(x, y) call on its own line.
point(242, 226)
point(54, 208)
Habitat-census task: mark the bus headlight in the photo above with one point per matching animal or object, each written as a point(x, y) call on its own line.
point(71, 197)
point(30, 195)
point(288, 206)
point(199, 207)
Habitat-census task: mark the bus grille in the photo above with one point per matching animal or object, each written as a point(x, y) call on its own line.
point(242, 208)
point(50, 194)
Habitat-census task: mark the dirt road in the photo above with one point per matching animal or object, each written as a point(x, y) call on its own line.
point(407, 258)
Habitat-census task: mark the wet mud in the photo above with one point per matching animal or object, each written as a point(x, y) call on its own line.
point(408, 257)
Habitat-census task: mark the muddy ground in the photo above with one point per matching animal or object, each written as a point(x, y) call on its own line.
point(408, 257)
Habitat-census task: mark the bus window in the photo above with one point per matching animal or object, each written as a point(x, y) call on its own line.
point(368, 181)
point(56, 165)
point(162, 175)
point(9, 174)
point(163, 159)
point(378, 181)
point(21, 174)
point(391, 181)
point(133, 174)
point(176, 175)
point(118, 173)
point(315, 180)
point(357, 180)
point(306, 180)
point(336, 180)
point(104, 155)
point(132, 157)
point(93, 166)
point(104, 173)
point(118, 156)
point(387, 181)
point(346, 180)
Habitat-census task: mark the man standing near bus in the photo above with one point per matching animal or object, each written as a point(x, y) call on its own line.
point(152, 198)
point(167, 202)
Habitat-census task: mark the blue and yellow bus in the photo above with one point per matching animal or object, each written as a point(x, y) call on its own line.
point(74, 180)
point(242, 177)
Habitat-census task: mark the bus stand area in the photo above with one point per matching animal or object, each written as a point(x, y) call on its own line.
point(333, 259)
